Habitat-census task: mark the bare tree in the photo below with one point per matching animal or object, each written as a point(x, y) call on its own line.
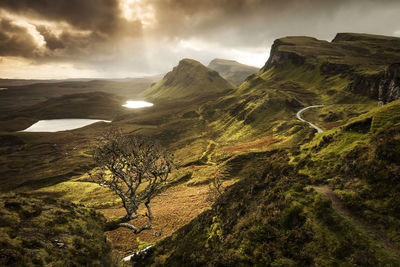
point(134, 168)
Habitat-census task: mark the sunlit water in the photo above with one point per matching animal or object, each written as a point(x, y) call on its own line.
point(137, 104)
point(60, 125)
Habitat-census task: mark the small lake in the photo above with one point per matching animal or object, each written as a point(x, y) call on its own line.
point(59, 125)
point(137, 104)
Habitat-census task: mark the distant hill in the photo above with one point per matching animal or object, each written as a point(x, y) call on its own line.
point(94, 105)
point(189, 78)
point(231, 70)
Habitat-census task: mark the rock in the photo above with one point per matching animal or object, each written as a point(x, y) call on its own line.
point(137, 256)
point(329, 68)
point(384, 86)
point(389, 86)
point(278, 57)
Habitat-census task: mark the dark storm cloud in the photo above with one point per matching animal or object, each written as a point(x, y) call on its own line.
point(15, 40)
point(95, 34)
point(69, 45)
point(97, 15)
point(241, 22)
point(73, 29)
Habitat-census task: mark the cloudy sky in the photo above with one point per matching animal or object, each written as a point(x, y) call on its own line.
point(128, 38)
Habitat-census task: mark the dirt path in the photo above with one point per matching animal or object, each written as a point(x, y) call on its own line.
point(371, 230)
point(298, 115)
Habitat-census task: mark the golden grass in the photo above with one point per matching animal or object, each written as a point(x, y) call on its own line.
point(172, 209)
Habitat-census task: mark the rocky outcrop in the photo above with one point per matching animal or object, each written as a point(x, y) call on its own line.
point(384, 86)
point(366, 85)
point(389, 86)
point(329, 68)
point(278, 57)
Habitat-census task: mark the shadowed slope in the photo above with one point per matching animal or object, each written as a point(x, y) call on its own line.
point(231, 70)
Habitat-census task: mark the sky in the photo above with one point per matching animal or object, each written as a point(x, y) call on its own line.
point(42, 39)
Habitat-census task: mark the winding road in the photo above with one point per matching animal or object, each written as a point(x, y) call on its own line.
point(311, 124)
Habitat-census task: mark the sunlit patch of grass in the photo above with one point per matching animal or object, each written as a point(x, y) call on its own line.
point(89, 194)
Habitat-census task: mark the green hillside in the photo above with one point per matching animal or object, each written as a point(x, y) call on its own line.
point(189, 79)
point(305, 199)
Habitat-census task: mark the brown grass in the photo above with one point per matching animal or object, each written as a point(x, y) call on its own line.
point(258, 144)
point(172, 209)
point(331, 125)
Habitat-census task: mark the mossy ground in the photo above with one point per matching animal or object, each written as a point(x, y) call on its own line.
point(270, 218)
point(47, 232)
point(360, 160)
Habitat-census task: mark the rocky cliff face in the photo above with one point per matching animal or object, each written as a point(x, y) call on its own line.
point(370, 62)
point(384, 86)
point(389, 86)
point(278, 57)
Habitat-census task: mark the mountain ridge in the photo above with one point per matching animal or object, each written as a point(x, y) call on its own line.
point(188, 79)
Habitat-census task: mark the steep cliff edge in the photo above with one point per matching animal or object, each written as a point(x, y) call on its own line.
point(370, 62)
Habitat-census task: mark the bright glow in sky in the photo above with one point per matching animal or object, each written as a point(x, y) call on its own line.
point(27, 70)
point(138, 10)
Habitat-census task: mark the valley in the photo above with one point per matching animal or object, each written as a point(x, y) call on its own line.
point(306, 160)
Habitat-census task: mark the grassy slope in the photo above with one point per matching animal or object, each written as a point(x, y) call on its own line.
point(360, 161)
point(265, 104)
point(273, 217)
point(47, 232)
point(270, 218)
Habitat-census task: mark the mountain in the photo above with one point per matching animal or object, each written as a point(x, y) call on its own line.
point(371, 63)
point(189, 79)
point(353, 69)
point(231, 70)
